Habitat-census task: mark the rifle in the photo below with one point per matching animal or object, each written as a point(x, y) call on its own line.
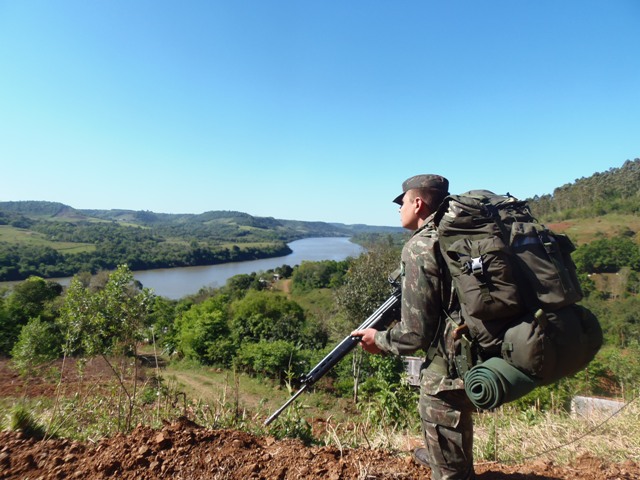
point(380, 319)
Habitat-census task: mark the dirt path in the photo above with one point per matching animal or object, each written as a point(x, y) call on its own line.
point(197, 385)
point(213, 387)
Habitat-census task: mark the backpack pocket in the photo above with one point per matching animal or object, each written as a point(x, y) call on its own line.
point(544, 258)
point(527, 347)
point(484, 280)
point(553, 345)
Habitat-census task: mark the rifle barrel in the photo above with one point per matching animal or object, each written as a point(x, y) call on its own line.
point(275, 414)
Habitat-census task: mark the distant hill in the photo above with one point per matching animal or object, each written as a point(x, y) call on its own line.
point(616, 190)
point(285, 230)
point(50, 239)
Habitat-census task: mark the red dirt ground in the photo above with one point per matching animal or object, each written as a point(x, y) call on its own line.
point(184, 450)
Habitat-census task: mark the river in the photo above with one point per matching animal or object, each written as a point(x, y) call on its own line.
point(175, 283)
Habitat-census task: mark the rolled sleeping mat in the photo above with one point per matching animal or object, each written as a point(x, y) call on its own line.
point(495, 382)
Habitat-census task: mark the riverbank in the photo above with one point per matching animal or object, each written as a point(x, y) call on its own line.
point(178, 282)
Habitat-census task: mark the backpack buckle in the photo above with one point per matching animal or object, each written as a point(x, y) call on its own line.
point(475, 266)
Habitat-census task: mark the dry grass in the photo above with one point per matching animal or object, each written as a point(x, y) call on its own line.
point(509, 436)
point(506, 435)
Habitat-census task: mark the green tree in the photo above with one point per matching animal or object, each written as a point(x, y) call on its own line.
point(607, 255)
point(633, 283)
point(285, 271)
point(276, 359)
point(266, 316)
point(324, 274)
point(34, 297)
point(162, 317)
point(8, 333)
point(109, 323)
point(622, 326)
point(202, 332)
point(238, 285)
point(366, 283)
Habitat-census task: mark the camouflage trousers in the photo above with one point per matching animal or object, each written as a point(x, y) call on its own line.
point(447, 426)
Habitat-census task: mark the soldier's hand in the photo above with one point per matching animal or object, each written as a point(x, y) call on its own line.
point(367, 339)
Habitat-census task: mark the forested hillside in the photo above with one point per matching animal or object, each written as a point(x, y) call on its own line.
point(50, 239)
point(615, 191)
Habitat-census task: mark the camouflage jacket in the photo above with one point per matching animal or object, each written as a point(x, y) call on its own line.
point(423, 290)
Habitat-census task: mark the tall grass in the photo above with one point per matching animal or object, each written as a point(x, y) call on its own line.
point(511, 436)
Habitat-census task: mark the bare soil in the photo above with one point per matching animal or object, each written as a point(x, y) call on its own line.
point(185, 450)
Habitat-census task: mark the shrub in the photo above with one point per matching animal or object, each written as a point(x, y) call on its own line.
point(272, 359)
point(38, 343)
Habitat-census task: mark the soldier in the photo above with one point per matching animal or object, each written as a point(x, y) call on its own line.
point(428, 323)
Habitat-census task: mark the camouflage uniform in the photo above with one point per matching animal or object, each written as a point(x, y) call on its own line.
point(445, 409)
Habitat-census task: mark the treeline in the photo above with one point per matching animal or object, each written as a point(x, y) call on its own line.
point(139, 252)
point(616, 190)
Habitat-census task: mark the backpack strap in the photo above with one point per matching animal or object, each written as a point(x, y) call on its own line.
point(552, 250)
point(494, 214)
point(448, 302)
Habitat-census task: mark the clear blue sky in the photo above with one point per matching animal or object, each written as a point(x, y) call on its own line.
point(310, 110)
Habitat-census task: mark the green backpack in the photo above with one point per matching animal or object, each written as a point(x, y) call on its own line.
point(516, 285)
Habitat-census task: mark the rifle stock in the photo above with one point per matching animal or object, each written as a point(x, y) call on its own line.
point(379, 320)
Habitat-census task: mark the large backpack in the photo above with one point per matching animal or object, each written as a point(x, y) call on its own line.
point(516, 285)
